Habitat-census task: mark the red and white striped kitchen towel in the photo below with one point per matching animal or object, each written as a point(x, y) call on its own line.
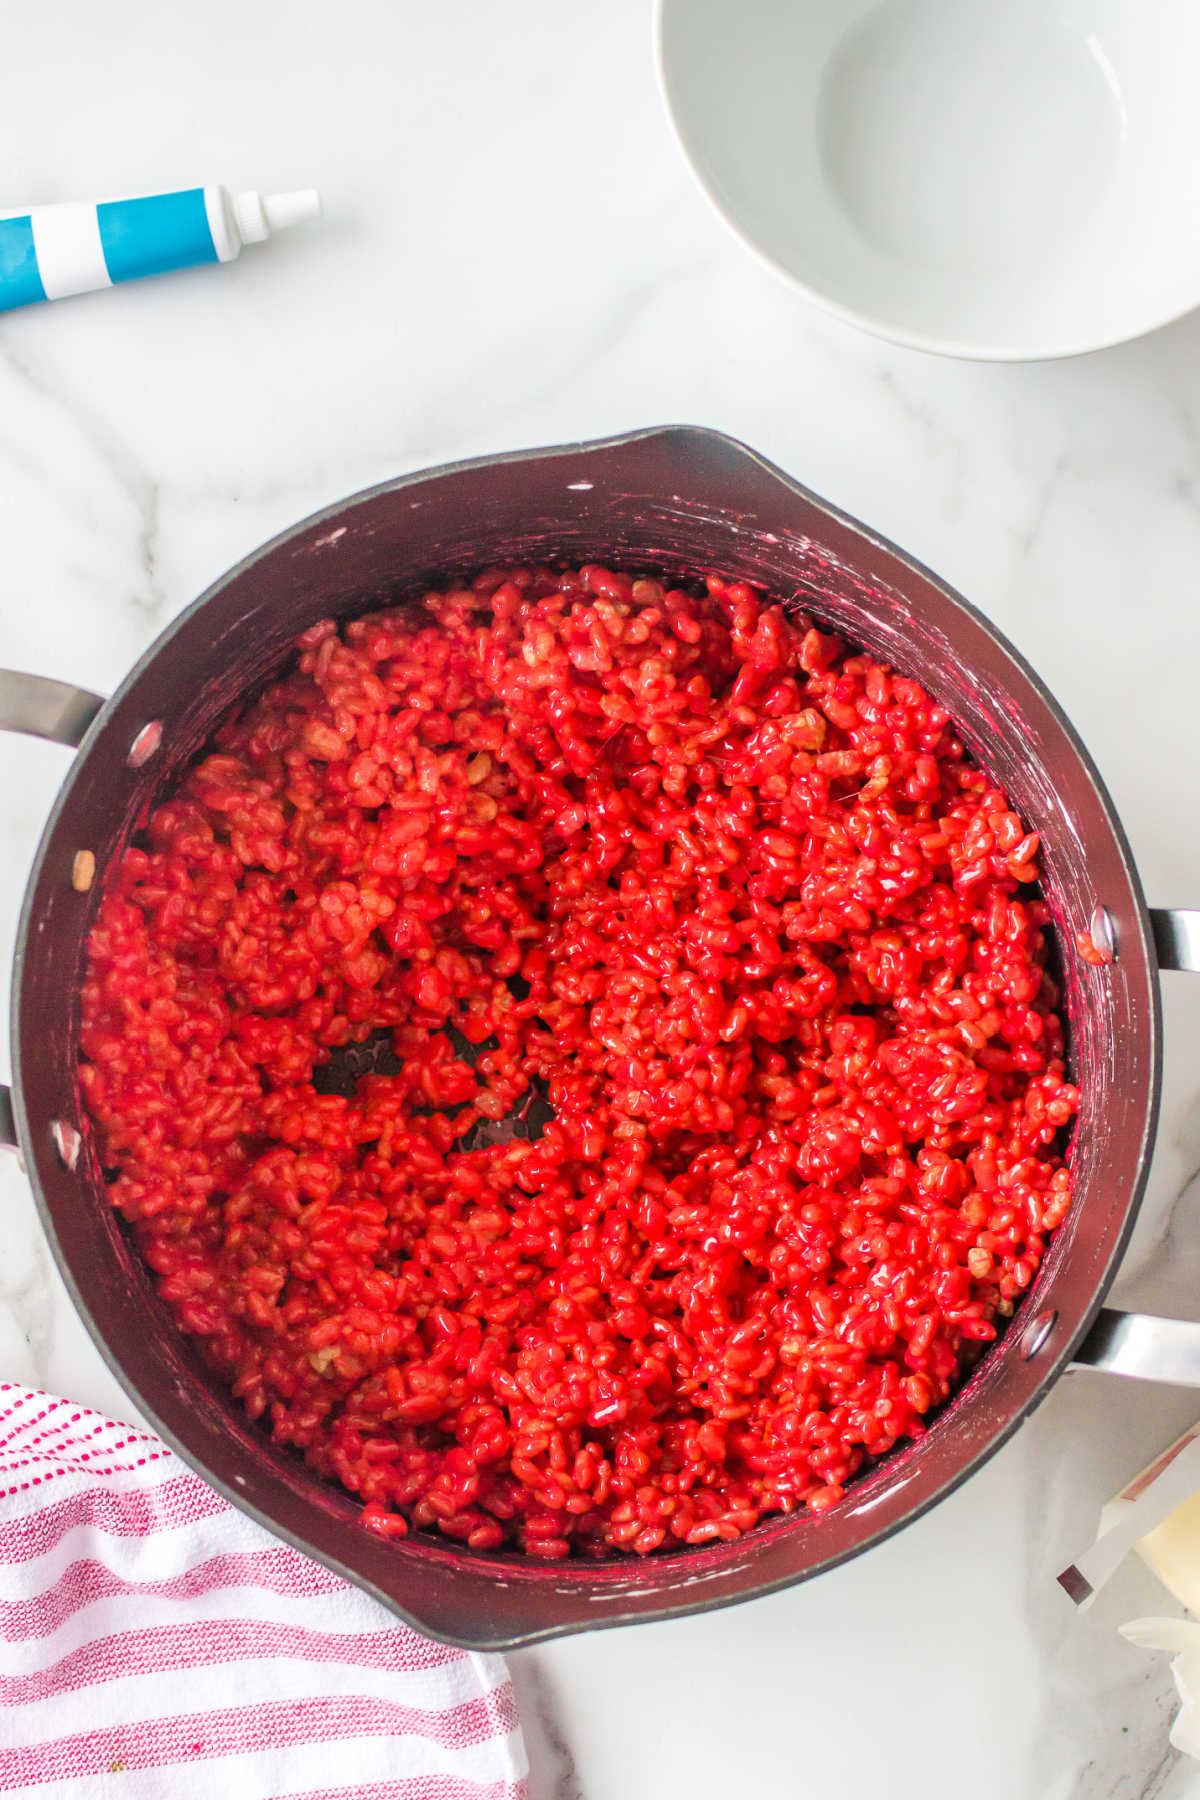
point(157, 1645)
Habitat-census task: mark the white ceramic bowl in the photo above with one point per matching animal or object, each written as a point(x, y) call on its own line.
point(1004, 179)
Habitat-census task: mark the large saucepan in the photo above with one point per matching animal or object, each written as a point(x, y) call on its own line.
point(678, 500)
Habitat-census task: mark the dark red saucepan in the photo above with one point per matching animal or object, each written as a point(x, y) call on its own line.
point(678, 500)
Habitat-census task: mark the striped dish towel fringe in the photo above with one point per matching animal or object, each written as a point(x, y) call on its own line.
point(157, 1645)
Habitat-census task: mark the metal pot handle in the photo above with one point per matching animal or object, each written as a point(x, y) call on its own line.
point(55, 710)
point(1119, 1343)
point(1176, 938)
point(46, 709)
point(1141, 1345)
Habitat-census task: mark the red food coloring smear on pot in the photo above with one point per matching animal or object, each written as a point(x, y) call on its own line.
point(735, 902)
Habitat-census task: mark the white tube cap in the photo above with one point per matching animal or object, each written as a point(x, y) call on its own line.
point(258, 215)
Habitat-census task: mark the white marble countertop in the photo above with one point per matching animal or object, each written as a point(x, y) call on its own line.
point(514, 254)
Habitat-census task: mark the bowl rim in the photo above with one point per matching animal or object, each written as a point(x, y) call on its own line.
point(964, 349)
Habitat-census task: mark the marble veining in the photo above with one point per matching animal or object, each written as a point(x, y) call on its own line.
point(514, 254)
point(553, 1774)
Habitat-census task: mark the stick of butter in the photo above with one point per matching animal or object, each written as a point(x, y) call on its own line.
point(1172, 1550)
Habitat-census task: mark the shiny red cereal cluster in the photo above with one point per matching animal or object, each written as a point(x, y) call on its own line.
point(735, 901)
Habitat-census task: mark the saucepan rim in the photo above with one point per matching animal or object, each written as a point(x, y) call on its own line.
point(26, 947)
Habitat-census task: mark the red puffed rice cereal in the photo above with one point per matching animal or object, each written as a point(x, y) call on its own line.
point(735, 899)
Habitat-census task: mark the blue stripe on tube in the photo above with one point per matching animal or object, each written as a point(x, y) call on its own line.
point(20, 282)
point(154, 235)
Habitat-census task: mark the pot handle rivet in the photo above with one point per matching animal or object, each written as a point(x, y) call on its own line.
point(145, 744)
point(1103, 934)
point(67, 1142)
point(1037, 1334)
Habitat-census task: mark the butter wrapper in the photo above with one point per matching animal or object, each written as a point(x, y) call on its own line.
point(1158, 1515)
point(1138, 1511)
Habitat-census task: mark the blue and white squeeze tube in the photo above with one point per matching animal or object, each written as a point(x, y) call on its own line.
point(49, 252)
